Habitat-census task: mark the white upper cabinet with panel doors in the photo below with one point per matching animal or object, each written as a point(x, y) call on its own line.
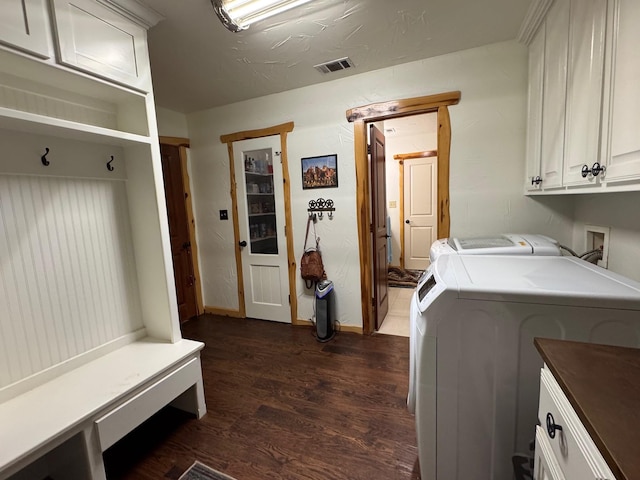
point(566, 41)
point(24, 24)
point(623, 101)
point(96, 39)
point(107, 39)
point(591, 129)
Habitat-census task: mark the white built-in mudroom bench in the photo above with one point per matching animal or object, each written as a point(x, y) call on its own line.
point(90, 342)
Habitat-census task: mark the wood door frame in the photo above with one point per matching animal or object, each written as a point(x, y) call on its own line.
point(402, 157)
point(282, 130)
point(183, 144)
point(360, 116)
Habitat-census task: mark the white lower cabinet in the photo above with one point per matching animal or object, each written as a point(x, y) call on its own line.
point(564, 449)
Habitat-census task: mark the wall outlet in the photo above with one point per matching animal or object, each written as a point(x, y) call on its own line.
point(598, 238)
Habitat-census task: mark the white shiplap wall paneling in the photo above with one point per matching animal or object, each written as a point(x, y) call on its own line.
point(67, 278)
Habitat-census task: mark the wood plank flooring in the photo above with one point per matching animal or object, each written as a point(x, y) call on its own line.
point(281, 405)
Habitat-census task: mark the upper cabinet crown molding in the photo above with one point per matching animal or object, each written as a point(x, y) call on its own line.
point(533, 19)
point(135, 11)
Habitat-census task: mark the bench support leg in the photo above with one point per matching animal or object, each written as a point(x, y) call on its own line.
point(93, 452)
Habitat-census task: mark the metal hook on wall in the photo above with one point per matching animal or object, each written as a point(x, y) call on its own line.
point(109, 166)
point(43, 158)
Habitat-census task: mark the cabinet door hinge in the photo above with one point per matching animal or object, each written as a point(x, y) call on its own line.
point(289, 299)
point(371, 228)
point(368, 149)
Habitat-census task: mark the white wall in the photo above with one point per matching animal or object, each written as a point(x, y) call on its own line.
point(487, 165)
point(620, 212)
point(171, 124)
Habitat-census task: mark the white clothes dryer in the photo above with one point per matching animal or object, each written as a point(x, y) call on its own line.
point(474, 375)
point(502, 244)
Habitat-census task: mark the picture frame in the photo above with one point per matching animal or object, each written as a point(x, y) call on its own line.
point(320, 172)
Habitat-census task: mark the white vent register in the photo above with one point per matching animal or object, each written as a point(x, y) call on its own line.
point(335, 65)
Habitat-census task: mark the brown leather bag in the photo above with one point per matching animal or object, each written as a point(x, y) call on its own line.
point(311, 267)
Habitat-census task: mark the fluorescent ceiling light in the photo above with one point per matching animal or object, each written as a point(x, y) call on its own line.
point(237, 15)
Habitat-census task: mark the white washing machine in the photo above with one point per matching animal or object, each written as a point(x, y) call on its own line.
point(474, 376)
point(502, 244)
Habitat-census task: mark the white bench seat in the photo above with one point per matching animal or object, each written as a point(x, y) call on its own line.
point(102, 401)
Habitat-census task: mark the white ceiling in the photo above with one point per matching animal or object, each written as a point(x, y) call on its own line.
point(198, 64)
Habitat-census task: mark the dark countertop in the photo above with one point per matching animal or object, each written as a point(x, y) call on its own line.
point(603, 385)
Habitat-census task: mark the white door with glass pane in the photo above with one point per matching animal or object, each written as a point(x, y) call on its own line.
point(260, 197)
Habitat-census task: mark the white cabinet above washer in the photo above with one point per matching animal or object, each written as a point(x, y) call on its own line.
point(584, 104)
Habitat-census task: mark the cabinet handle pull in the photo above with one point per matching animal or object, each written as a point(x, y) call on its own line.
point(595, 170)
point(552, 426)
point(536, 180)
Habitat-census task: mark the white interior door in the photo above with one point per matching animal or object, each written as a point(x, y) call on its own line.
point(261, 223)
point(420, 210)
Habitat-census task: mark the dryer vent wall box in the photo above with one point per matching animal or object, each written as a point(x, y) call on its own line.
point(598, 238)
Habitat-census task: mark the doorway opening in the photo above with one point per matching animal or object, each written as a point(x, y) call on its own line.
point(361, 117)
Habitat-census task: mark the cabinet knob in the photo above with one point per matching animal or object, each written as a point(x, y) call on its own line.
point(537, 180)
point(595, 170)
point(552, 426)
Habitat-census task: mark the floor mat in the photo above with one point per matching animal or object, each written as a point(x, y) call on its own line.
point(199, 471)
point(404, 278)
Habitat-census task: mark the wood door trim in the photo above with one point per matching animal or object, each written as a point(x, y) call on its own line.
point(428, 104)
point(410, 156)
point(401, 200)
point(401, 108)
point(191, 224)
point(175, 141)
point(283, 128)
point(282, 131)
point(236, 229)
point(444, 149)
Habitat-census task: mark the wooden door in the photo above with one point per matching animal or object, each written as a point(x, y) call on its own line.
point(260, 195)
point(379, 225)
point(179, 232)
point(420, 211)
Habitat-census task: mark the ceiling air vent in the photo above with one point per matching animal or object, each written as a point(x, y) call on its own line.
point(335, 65)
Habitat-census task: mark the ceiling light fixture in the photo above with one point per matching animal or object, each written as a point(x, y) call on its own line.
point(237, 15)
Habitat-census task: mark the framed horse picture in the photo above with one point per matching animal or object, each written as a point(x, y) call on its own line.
point(320, 172)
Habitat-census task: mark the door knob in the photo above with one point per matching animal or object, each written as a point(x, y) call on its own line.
point(242, 243)
point(407, 222)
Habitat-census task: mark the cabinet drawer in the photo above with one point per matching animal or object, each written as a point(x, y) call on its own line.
point(124, 418)
point(572, 447)
point(95, 39)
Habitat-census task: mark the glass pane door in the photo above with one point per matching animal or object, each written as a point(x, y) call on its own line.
point(258, 173)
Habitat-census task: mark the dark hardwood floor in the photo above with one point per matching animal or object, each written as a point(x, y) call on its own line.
point(281, 405)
